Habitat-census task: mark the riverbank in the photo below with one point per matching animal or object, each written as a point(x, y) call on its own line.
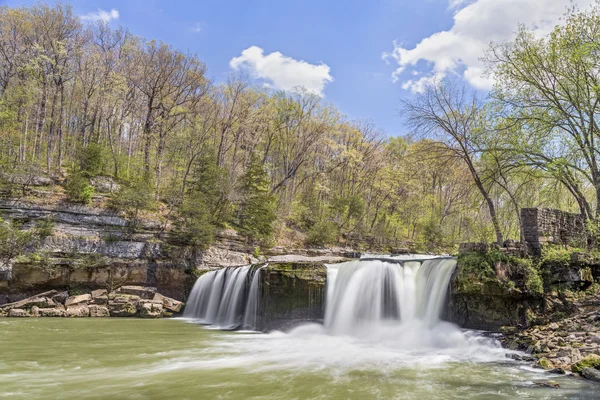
point(126, 301)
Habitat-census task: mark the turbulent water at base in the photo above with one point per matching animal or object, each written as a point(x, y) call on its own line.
point(227, 298)
point(131, 359)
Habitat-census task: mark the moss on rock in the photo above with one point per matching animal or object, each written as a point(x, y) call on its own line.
point(590, 361)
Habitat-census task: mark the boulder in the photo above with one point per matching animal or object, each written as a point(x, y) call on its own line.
point(592, 374)
point(590, 361)
point(18, 313)
point(52, 312)
point(73, 300)
point(105, 184)
point(169, 303)
point(123, 306)
point(79, 310)
point(98, 311)
point(143, 292)
point(61, 297)
point(41, 300)
point(151, 309)
point(99, 292)
point(100, 300)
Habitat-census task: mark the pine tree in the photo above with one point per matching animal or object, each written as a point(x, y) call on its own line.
point(257, 209)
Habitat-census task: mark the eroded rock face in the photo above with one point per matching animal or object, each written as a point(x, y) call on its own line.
point(291, 293)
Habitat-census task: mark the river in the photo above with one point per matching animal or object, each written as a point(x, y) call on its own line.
point(94, 358)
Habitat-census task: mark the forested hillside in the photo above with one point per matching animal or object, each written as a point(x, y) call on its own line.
point(79, 101)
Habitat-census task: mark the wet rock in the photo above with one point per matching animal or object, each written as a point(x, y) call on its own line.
point(79, 310)
point(590, 361)
point(98, 311)
point(72, 300)
point(18, 313)
point(142, 292)
point(559, 371)
point(544, 363)
point(151, 309)
point(514, 356)
point(549, 384)
point(592, 374)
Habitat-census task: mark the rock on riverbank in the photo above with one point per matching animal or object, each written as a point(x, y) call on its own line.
point(572, 344)
point(127, 301)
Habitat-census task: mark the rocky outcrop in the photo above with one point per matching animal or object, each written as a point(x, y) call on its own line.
point(291, 293)
point(490, 290)
point(572, 344)
point(128, 301)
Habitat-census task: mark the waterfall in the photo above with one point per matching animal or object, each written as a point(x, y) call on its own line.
point(359, 294)
point(251, 314)
point(219, 297)
point(364, 293)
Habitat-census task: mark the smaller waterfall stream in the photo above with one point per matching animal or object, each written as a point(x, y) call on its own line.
point(221, 297)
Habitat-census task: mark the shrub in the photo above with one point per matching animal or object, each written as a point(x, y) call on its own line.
point(321, 234)
point(78, 188)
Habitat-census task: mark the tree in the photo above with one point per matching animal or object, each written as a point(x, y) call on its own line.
point(454, 115)
point(550, 92)
point(256, 212)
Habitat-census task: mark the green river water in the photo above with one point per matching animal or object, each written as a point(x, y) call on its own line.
point(93, 358)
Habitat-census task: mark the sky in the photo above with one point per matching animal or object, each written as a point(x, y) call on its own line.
point(363, 56)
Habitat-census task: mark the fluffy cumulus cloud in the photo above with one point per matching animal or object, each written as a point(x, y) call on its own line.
point(477, 23)
point(282, 72)
point(101, 15)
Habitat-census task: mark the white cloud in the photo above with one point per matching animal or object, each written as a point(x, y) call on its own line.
point(282, 72)
point(101, 15)
point(197, 28)
point(476, 24)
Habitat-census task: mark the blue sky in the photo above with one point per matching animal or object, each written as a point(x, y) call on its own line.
point(440, 37)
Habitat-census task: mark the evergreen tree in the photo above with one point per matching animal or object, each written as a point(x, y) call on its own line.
point(257, 209)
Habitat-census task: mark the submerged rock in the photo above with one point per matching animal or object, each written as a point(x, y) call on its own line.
point(592, 374)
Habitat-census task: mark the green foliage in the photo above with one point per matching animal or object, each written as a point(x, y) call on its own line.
point(13, 240)
point(133, 198)
point(321, 234)
point(92, 159)
point(205, 207)
point(44, 227)
point(478, 270)
point(78, 188)
point(589, 361)
point(256, 213)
